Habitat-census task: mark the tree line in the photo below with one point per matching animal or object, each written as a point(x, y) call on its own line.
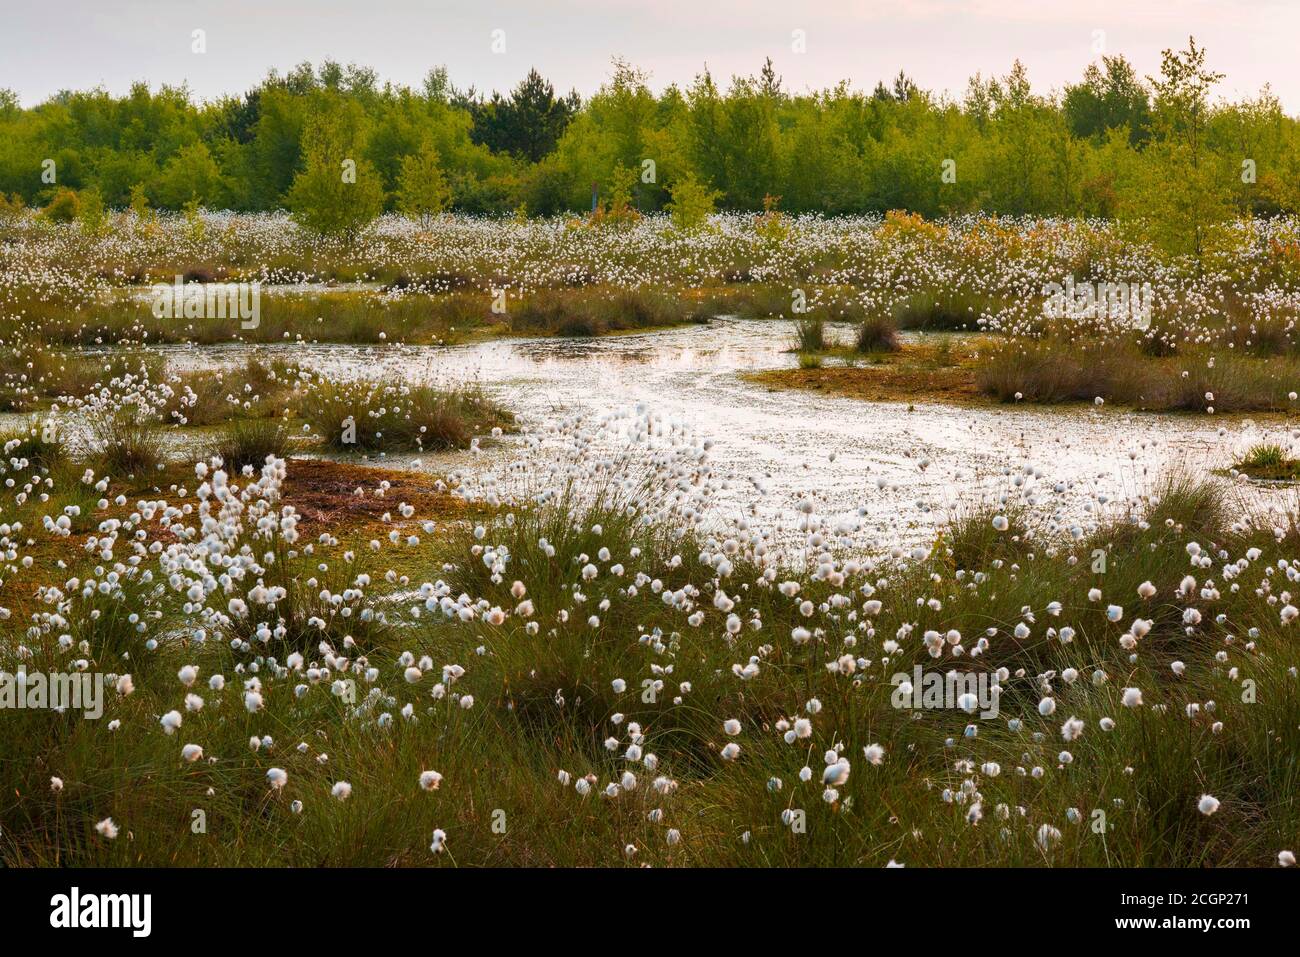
point(337, 147)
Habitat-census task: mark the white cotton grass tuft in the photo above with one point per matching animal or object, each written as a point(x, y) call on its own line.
point(1207, 805)
point(430, 780)
point(107, 828)
point(836, 774)
point(439, 843)
point(1047, 836)
point(277, 778)
point(341, 790)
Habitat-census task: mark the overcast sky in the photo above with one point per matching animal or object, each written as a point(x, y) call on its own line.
point(78, 44)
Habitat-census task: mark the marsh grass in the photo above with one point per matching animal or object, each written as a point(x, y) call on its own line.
point(810, 334)
point(876, 334)
point(747, 301)
point(971, 541)
point(948, 309)
point(1267, 460)
point(653, 615)
point(306, 615)
point(37, 443)
point(351, 316)
point(248, 442)
point(1056, 370)
point(257, 389)
point(545, 701)
point(580, 313)
point(40, 374)
point(125, 442)
point(112, 622)
point(361, 415)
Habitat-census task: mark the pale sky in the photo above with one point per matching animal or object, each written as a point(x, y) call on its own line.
point(78, 44)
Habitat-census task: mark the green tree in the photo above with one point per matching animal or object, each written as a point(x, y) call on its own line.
point(194, 225)
point(276, 147)
point(64, 207)
point(692, 203)
point(1184, 195)
point(528, 123)
point(422, 189)
point(1252, 135)
point(192, 174)
point(619, 209)
point(1111, 144)
point(338, 192)
point(91, 216)
point(140, 204)
point(1020, 172)
point(1108, 98)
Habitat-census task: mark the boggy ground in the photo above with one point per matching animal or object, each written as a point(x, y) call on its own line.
point(984, 371)
point(576, 659)
point(939, 370)
point(1220, 332)
point(596, 675)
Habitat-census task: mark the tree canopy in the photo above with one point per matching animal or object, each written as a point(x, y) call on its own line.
point(1111, 144)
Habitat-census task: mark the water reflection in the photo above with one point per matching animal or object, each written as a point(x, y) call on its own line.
point(904, 468)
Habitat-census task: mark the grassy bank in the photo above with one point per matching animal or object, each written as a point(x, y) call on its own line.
point(361, 316)
point(125, 425)
point(988, 369)
point(573, 715)
point(1054, 371)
